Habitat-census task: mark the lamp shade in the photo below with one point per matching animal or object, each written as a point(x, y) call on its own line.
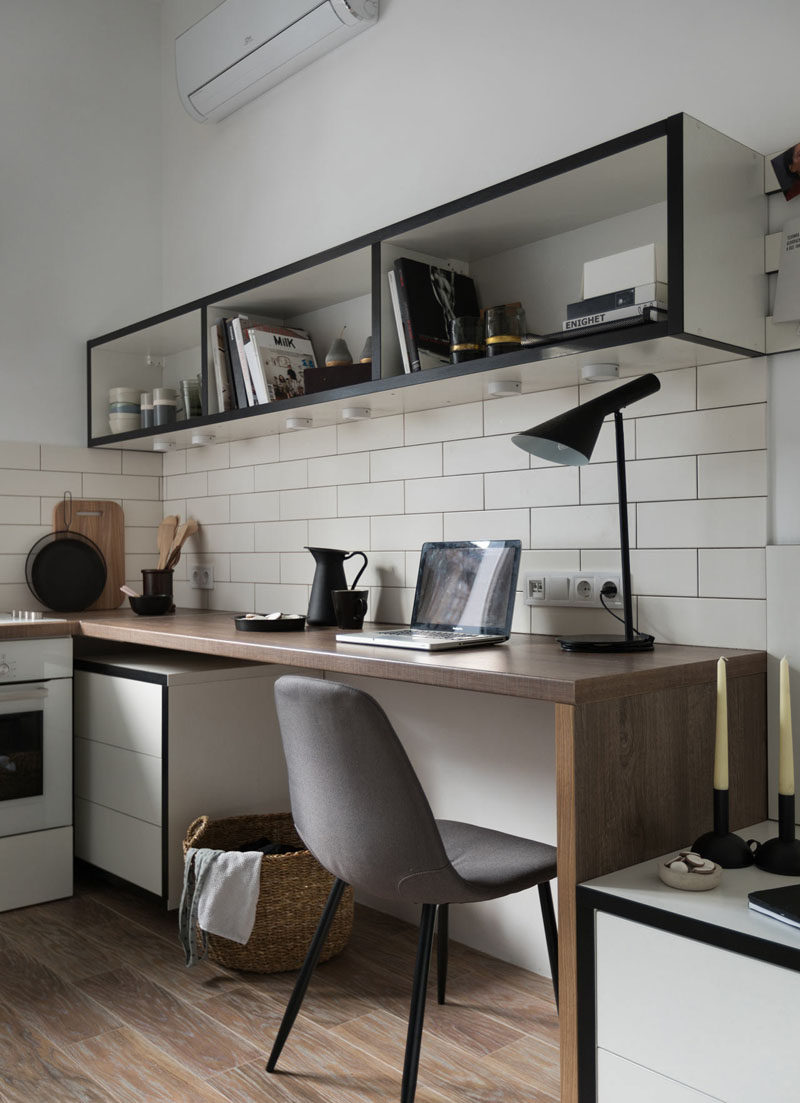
point(570, 437)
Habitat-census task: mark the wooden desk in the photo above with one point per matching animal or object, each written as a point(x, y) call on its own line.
point(634, 737)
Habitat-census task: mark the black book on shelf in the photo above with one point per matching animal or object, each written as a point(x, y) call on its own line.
point(781, 903)
point(237, 370)
point(429, 297)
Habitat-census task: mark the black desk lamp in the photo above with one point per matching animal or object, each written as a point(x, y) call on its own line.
point(570, 439)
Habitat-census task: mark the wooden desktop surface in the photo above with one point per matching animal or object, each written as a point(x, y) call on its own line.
point(634, 737)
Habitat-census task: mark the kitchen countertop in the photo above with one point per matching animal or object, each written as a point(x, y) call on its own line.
point(527, 666)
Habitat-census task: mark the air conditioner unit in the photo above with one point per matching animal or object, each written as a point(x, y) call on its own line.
point(244, 47)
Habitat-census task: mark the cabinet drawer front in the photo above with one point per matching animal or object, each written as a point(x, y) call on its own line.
point(717, 1021)
point(621, 1081)
point(117, 779)
point(118, 711)
point(119, 844)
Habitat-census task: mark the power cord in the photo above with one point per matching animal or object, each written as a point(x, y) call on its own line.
point(609, 590)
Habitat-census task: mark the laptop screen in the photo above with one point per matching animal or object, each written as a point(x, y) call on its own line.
point(468, 584)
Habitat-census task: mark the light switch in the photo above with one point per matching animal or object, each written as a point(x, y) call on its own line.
point(556, 589)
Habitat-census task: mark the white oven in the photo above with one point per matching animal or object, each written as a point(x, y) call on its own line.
point(35, 771)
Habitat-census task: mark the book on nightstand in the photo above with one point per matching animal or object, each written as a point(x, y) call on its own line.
point(782, 903)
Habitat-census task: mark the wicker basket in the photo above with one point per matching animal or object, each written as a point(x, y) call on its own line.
point(294, 888)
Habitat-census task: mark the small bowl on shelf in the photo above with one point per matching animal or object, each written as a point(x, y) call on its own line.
point(151, 605)
point(272, 622)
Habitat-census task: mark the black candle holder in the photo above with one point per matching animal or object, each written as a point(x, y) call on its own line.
point(781, 854)
point(721, 845)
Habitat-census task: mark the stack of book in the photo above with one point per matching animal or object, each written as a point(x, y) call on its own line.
point(646, 302)
point(255, 363)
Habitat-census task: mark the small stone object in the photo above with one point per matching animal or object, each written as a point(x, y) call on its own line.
point(689, 871)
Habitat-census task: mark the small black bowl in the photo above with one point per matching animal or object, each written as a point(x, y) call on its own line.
point(280, 624)
point(151, 605)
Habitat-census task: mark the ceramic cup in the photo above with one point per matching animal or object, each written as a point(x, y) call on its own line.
point(350, 607)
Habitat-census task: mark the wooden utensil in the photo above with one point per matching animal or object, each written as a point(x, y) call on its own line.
point(187, 529)
point(166, 534)
point(104, 524)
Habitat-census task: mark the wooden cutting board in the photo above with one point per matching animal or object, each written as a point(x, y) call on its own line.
point(104, 524)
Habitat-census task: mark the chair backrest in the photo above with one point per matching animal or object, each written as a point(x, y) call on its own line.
point(356, 800)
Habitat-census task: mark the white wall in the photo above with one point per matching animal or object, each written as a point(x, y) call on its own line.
point(443, 97)
point(80, 92)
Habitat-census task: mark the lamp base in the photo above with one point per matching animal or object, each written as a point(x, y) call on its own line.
point(779, 856)
point(726, 849)
point(606, 643)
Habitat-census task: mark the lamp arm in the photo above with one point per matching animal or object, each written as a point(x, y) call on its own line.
point(624, 540)
point(620, 397)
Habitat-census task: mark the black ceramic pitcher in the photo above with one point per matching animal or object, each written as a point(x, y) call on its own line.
point(328, 576)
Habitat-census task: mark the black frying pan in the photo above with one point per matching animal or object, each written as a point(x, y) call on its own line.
point(65, 570)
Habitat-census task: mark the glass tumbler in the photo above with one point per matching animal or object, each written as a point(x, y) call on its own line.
point(505, 326)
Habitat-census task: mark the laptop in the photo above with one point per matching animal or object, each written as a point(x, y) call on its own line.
point(464, 598)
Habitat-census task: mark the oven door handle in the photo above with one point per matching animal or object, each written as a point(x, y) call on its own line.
point(22, 693)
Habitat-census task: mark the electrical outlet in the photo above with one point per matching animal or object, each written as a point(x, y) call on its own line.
point(573, 588)
point(202, 578)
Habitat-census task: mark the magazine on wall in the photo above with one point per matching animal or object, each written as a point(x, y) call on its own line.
point(280, 355)
point(429, 298)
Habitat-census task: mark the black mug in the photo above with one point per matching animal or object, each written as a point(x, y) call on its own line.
point(350, 607)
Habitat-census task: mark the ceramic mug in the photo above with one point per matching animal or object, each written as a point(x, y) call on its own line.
point(350, 606)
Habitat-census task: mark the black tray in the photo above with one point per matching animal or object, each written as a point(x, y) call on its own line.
point(284, 624)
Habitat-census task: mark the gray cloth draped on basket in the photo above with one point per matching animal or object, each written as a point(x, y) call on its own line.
point(220, 896)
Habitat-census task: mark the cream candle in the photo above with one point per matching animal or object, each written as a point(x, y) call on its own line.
point(721, 745)
point(785, 747)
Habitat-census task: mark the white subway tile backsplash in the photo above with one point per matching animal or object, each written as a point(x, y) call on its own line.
point(707, 523)
point(211, 511)
point(140, 463)
point(295, 568)
point(490, 524)
point(552, 486)
point(35, 484)
point(520, 412)
point(141, 541)
point(369, 499)
point(291, 475)
point(22, 511)
point(733, 572)
point(456, 492)
point(228, 480)
point(255, 567)
point(384, 569)
point(12, 570)
point(736, 383)
point(142, 513)
point(732, 474)
point(175, 462)
point(18, 455)
point(195, 485)
point(664, 571)
point(647, 480)
point(121, 486)
point(339, 532)
point(275, 536)
point(553, 559)
point(579, 526)
point(409, 530)
point(223, 538)
point(221, 564)
point(710, 622)
point(352, 467)
point(446, 423)
point(279, 598)
point(728, 430)
point(19, 539)
point(304, 504)
point(308, 442)
point(99, 460)
point(208, 458)
point(390, 605)
point(480, 454)
point(413, 462)
point(255, 507)
point(236, 596)
point(258, 450)
point(363, 436)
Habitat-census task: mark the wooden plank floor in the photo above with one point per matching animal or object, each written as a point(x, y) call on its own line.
point(97, 1006)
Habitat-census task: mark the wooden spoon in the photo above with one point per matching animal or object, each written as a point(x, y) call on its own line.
point(166, 535)
point(187, 529)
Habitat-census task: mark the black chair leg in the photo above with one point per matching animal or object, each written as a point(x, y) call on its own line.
point(301, 984)
point(417, 1014)
point(442, 936)
point(550, 932)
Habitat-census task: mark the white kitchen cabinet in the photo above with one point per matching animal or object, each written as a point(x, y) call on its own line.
point(160, 739)
point(695, 996)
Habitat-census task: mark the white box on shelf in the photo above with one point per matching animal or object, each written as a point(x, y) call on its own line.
point(645, 264)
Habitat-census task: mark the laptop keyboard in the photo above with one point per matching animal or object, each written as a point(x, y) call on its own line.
point(428, 634)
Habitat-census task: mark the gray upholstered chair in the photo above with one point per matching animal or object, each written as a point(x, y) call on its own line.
point(360, 809)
